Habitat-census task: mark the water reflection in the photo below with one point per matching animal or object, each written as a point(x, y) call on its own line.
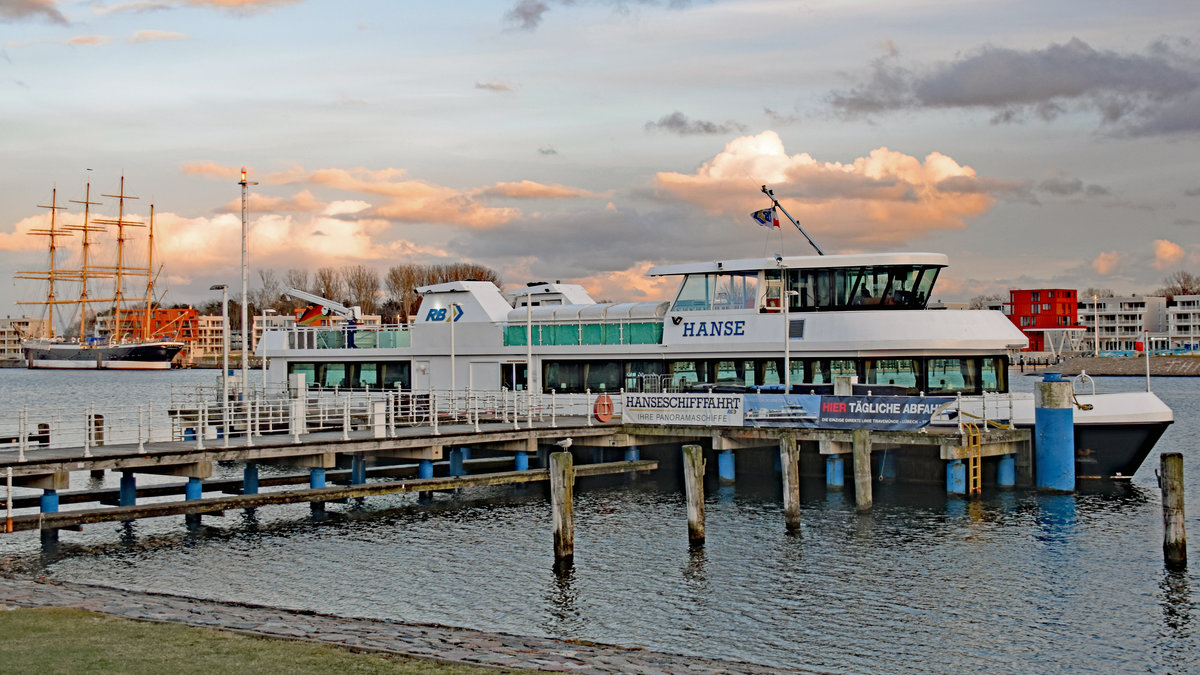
point(1177, 603)
point(1056, 518)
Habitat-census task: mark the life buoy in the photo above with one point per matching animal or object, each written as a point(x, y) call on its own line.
point(772, 305)
point(603, 409)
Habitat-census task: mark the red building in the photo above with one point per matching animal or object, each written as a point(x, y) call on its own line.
point(1036, 311)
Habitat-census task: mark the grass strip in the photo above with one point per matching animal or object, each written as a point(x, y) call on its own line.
point(59, 640)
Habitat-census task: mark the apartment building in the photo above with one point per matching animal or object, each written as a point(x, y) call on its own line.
point(1122, 322)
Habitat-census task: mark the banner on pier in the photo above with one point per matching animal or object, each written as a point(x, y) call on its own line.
point(883, 413)
point(709, 410)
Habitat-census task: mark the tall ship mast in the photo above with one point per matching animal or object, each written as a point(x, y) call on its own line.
point(128, 343)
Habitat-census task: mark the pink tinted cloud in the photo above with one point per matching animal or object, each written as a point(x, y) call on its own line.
point(407, 200)
point(1167, 254)
point(885, 197)
point(1106, 263)
point(527, 189)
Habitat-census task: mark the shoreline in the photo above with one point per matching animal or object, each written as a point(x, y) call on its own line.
point(430, 642)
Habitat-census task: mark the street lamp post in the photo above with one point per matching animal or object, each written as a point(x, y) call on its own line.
point(245, 297)
point(1096, 323)
point(451, 310)
point(224, 355)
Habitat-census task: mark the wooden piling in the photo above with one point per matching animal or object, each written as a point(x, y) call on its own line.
point(693, 481)
point(789, 463)
point(562, 488)
point(862, 468)
point(1174, 534)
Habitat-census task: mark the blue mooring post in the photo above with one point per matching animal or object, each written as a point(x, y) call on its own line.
point(1006, 471)
point(521, 461)
point(128, 496)
point(956, 477)
point(456, 462)
point(835, 472)
point(358, 470)
point(250, 479)
point(726, 474)
point(193, 490)
point(49, 504)
point(424, 470)
point(1054, 434)
point(632, 454)
point(316, 481)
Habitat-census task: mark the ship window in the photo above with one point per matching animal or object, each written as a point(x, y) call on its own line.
point(735, 372)
point(822, 371)
point(873, 287)
point(951, 376)
point(892, 372)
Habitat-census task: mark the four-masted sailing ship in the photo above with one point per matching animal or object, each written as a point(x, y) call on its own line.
point(127, 343)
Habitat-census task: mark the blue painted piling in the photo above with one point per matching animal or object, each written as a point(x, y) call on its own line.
point(726, 473)
point(358, 470)
point(1054, 434)
point(316, 481)
point(632, 454)
point(128, 496)
point(49, 504)
point(598, 455)
point(835, 472)
point(425, 469)
point(250, 479)
point(49, 501)
point(1006, 471)
point(193, 490)
point(456, 462)
point(521, 461)
point(956, 477)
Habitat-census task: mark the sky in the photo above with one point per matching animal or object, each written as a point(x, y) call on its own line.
point(1037, 144)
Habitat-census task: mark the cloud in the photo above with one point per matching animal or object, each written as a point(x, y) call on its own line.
point(1063, 186)
point(885, 197)
point(1106, 263)
point(242, 7)
point(211, 170)
point(141, 36)
point(547, 150)
point(1133, 94)
point(678, 123)
point(19, 10)
point(528, 14)
point(493, 86)
point(406, 200)
point(527, 189)
point(1167, 254)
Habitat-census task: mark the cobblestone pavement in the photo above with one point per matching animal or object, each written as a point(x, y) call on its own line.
point(423, 641)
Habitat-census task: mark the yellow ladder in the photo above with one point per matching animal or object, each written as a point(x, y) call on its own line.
point(974, 458)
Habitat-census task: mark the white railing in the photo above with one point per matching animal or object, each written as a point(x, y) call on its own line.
point(198, 416)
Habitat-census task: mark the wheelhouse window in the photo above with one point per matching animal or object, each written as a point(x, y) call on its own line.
point(717, 291)
point(870, 287)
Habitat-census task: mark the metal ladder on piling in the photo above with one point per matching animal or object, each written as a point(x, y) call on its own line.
point(974, 438)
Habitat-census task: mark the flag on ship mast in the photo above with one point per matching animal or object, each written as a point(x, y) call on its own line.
point(766, 218)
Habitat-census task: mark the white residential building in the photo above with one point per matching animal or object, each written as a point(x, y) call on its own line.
point(1183, 322)
point(11, 331)
point(1123, 321)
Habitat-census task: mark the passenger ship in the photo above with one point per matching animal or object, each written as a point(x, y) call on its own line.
point(731, 323)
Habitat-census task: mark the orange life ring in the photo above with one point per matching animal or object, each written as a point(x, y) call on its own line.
point(603, 409)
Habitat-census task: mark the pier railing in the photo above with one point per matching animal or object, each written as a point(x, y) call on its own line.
point(198, 415)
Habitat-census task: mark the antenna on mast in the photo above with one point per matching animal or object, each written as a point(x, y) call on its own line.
point(771, 193)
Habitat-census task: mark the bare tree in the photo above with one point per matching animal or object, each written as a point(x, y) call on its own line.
point(329, 285)
point(1180, 283)
point(362, 283)
point(1096, 293)
point(402, 281)
point(269, 290)
point(981, 301)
